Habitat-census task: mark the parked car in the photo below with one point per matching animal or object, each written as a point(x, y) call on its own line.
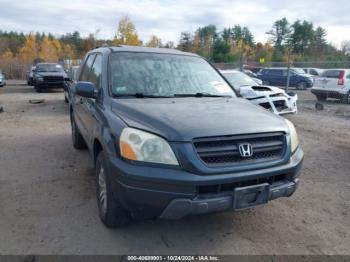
point(49, 75)
point(2, 79)
point(278, 77)
point(72, 75)
point(333, 83)
point(313, 71)
point(271, 98)
point(249, 73)
point(30, 75)
point(169, 137)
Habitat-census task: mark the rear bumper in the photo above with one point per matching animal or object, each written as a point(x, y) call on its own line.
point(329, 93)
point(153, 192)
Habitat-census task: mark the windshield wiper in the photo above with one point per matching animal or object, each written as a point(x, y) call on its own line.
point(200, 95)
point(140, 95)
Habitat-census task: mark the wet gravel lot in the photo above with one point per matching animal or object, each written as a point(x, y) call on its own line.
point(47, 193)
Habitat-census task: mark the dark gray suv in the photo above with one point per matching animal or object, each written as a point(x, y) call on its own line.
point(169, 137)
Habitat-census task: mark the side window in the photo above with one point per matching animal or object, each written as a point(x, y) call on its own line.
point(276, 72)
point(84, 76)
point(313, 72)
point(348, 76)
point(331, 73)
point(96, 71)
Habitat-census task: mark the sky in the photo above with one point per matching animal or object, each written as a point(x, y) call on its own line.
point(168, 18)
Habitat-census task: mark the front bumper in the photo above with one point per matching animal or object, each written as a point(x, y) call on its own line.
point(179, 208)
point(153, 192)
point(47, 85)
point(280, 105)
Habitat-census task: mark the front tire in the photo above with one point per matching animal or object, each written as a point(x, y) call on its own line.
point(65, 97)
point(346, 98)
point(77, 138)
point(111, 213)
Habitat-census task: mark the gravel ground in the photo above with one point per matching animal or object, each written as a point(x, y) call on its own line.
point(47, 197)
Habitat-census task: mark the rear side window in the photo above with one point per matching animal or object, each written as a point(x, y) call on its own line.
point(331, 73)
point(96, 72)
point(275, 72)
point(87, 68)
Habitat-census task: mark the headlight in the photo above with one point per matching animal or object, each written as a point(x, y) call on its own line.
point(142, 146)
point(294, 141)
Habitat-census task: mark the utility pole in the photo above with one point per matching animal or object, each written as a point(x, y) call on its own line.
point(288, 69)
point(241, 56)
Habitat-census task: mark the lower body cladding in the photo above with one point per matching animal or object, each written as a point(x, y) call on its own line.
point(151, 192)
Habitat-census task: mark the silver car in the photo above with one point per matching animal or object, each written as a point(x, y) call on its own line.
point(333, 83)
point(2, 79)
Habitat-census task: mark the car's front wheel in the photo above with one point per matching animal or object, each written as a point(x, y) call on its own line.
point(77, 138)
point(111, 213)
point(65, 97)
point(346, 98)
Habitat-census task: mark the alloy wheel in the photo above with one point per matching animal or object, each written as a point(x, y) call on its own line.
point(102, 191)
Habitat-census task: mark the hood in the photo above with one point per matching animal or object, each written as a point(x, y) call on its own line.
point(183, 119)
point(257, 91)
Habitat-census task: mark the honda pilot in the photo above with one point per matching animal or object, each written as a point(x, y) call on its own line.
point(169, 137)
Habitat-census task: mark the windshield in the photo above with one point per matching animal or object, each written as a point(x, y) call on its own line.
point(298, 70)
point(49, 68)
point(238, 79)
point(164, 75)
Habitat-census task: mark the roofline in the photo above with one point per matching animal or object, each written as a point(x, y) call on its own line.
point(142, 49)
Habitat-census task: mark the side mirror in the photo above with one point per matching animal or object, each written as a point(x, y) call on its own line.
point(86, 89)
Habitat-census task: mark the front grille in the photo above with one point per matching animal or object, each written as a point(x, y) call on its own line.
point(53, 78)
point(224, 151)
point(279, 105)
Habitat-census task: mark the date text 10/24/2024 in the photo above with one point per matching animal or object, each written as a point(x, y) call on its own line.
point(173, 258)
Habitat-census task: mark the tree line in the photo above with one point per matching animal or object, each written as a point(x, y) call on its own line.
point(297, 41)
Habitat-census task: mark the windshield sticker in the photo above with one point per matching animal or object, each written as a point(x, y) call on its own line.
point(220, 87)
point(119, 89)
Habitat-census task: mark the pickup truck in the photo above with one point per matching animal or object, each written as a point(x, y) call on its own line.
point(169, 137)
